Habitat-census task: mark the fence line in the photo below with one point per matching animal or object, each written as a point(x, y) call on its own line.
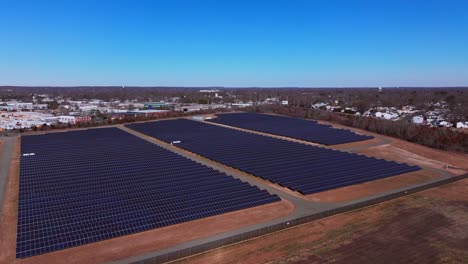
point(190, 251)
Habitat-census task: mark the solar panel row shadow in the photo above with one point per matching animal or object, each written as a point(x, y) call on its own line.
point(292, 127)
point(85, 186)
point(303, 168)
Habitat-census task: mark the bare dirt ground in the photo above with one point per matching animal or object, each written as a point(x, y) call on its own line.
point(392, 152)
point(9, 213)
point(358, 191)
point(131, 245)
point(427, 227)
point(2, 142)
point(403, 151)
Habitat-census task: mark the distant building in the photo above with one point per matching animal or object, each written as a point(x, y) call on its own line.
point(88, 107)
point(16, 106)
point(418, 119)
point(209, 91)
point(319, 105)
point(81, 119)
point(155, 105)
point(240, 105)
point(386, 115)
point(66, 119)
point(462, 124)
point(198, 107)
point(443, 123)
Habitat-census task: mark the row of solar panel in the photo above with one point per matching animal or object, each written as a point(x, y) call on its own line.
point(30, 204)
point(183, 187)
point(136, 212)
point(164, 168)
point(128, 199)
point(109, 180)
point(303, 168)
point(85, 186)
point(297, 128)
point(59, 242)
point(87, 207)
point(124, 222)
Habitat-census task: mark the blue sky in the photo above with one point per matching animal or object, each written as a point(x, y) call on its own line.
point(234, 43)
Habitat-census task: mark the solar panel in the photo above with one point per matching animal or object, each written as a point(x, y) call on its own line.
point(85, 186)
point(292, 127)
point(303, 168)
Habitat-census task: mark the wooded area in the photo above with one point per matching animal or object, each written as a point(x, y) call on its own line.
point(455, 100)
point(361, 98)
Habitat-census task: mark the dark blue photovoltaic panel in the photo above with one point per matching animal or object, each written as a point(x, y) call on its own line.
point(292, 127)
point(303, 168)
point(85, 186)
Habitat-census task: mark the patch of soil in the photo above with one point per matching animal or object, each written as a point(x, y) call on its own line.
point(358, 191)
point(451, 158)
point(10, 210)
point(390, 152)
point(427, 227)
point(398, 149)
point(427, 231)
point(451, 192)
point(279, 245)
point(2, 143)
point(405, 239)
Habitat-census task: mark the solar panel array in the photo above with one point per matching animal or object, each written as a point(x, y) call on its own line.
point(292, 127)
point(303, 168)
point(85, 186)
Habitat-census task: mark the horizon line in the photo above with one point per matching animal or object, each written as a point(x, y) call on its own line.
point(226, 87)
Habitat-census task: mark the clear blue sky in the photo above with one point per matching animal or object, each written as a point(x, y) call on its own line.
point(234, 43)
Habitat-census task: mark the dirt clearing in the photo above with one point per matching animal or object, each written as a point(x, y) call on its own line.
point(2, 143)
point(398, 154)
point(407, 152)
point(358, 191)
point(427, 227)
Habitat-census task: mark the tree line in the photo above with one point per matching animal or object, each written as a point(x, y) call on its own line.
point(362, 98)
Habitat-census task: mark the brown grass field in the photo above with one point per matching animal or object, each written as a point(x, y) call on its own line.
point(363, 190)
point(427, 227)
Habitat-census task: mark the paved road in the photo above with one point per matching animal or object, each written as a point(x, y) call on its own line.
point(5, 161)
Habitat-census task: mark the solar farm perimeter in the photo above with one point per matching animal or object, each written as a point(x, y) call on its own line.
point(177, 182)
